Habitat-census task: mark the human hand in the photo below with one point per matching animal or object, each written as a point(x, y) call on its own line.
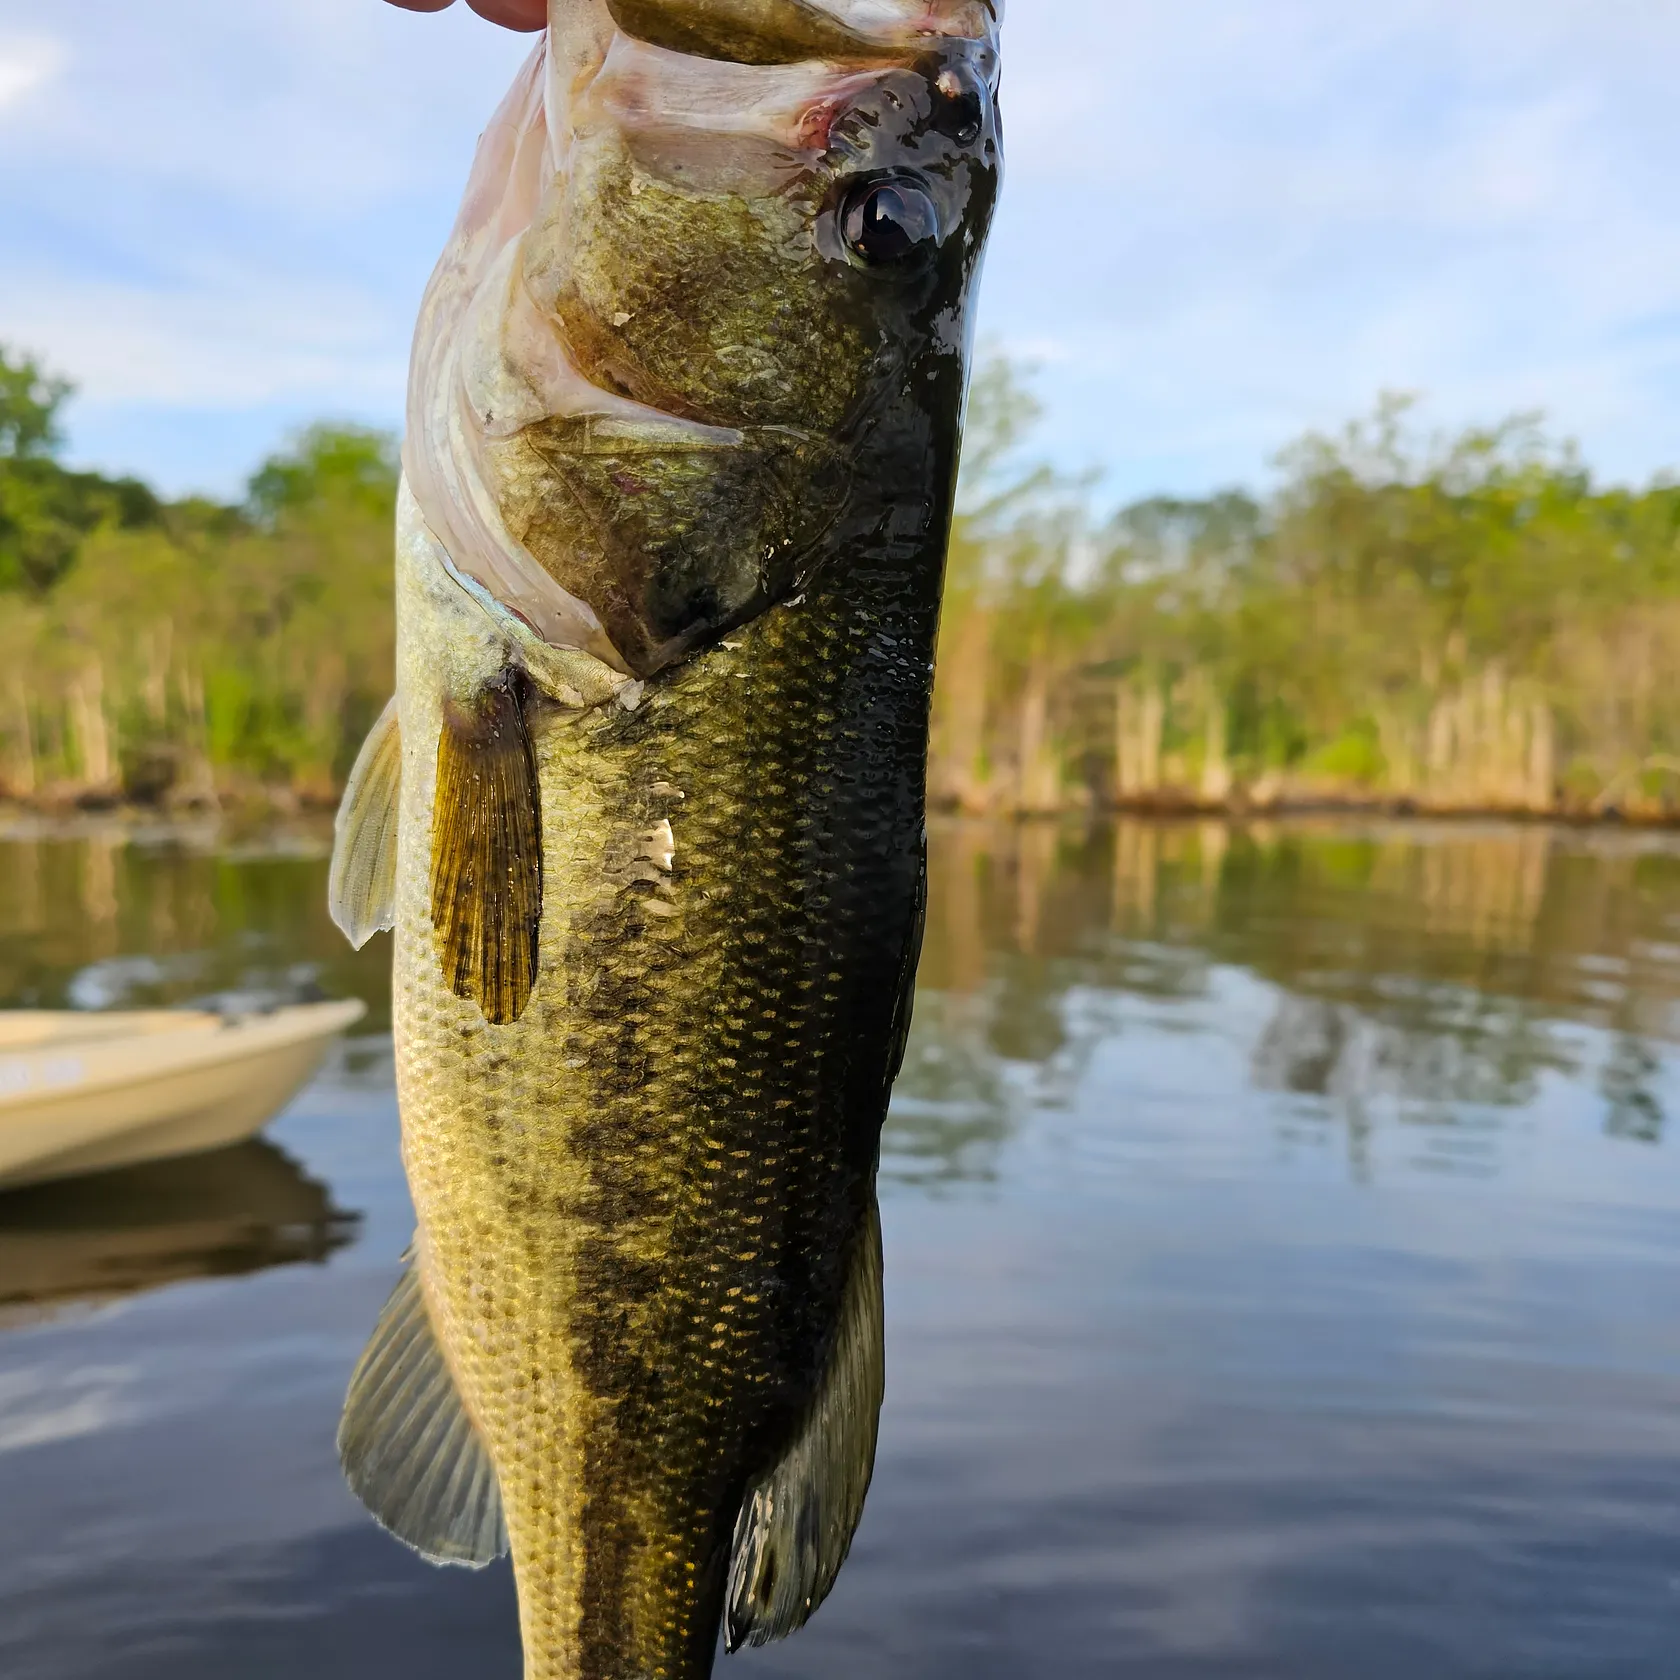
point(511, 14)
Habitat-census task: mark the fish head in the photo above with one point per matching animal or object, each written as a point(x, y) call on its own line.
point(712, 334)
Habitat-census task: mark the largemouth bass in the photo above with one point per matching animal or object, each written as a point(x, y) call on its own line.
point(646, 813)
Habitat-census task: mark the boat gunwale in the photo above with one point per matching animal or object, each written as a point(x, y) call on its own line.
point(178, 1053)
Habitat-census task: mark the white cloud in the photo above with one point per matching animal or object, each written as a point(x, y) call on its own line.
point(39, 1407)
point(1233, 219)
point(232, 339)
point(1225, 219)
point(28, 62)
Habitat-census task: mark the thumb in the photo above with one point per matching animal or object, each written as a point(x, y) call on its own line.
point(513, 14)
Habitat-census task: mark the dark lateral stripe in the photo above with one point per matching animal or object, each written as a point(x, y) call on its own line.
point(743, 31)
point(487, 853)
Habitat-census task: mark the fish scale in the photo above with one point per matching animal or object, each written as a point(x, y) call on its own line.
point(774, 893)
point(658, 887)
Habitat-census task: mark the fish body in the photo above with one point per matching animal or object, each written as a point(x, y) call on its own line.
point(647, 812)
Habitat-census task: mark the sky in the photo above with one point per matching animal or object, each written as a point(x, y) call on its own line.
point(1225, 221)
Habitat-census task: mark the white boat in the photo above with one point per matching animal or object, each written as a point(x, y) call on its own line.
point(80, 1092)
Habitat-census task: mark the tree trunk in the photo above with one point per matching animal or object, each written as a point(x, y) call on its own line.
point(1038, 776)
point(91, 731)
point(956, 775)
point(1542, 758)
point(196, 785)
point(1139, 719)
point(21, 774)
point(1216, 767)
point(154, 685)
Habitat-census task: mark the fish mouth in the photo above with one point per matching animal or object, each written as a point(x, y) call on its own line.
point(767, 32)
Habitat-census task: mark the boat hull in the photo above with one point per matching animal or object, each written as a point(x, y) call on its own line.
point(72, 1102)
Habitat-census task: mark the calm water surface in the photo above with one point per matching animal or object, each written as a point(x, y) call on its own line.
point(1283, 1241)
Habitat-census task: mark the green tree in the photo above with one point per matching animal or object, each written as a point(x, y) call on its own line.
point(30, 401)
point(327, 465)
point(46, 512)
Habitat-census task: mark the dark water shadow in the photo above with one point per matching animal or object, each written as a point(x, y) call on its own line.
point(231, 1212)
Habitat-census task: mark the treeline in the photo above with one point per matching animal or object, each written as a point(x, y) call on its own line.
point(1453, 624)
point(1457, 624)
point(189, 653)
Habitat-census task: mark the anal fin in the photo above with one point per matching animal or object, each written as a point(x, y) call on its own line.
point(410, 1452)
point(361, 890)
point(487, 880)
point(797, 1522)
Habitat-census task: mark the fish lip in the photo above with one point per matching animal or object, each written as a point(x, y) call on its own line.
point(881, 34)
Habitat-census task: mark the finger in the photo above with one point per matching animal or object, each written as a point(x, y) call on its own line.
point(422, 5)
point(513, 14)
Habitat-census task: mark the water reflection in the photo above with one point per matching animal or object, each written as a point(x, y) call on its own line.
point(1280, 1219)
point(111, 918)
point(106, 917)
point(1431, 978)
point(1629, 1087)
point(86, 1241)
point(1424, 977)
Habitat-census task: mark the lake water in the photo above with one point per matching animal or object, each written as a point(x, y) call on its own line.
point(1283, 1246)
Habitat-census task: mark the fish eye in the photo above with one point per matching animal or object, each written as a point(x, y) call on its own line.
point(887, 223)
point(958, 113)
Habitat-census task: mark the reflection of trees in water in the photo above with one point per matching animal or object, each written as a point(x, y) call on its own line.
point(104, 922)
point(1426, 975)
point(1627, 1084)
point(1022, 980)
point(1435, 974)
point(1489, 1052)
point(1442, 1070)
point(952, 1108)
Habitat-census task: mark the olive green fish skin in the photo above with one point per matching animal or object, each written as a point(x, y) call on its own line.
point(638, 1203)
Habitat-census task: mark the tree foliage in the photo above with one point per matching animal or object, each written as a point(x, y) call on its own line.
point(1451, 621)
point(30, 403)
point(1454, 621)
point(327, 465)
point(46, 511)
point(215, 649)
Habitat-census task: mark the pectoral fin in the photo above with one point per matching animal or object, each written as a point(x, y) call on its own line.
point(361, 889)
point(796, 1524)
point(410, 1452)
point(487, 852)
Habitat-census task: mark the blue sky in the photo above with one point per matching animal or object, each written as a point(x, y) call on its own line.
point(1226, 220)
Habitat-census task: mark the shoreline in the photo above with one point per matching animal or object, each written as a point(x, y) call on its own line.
point(1236, 808)
point(252, 812)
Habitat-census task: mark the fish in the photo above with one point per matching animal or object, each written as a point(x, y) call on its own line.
point(646, 814)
